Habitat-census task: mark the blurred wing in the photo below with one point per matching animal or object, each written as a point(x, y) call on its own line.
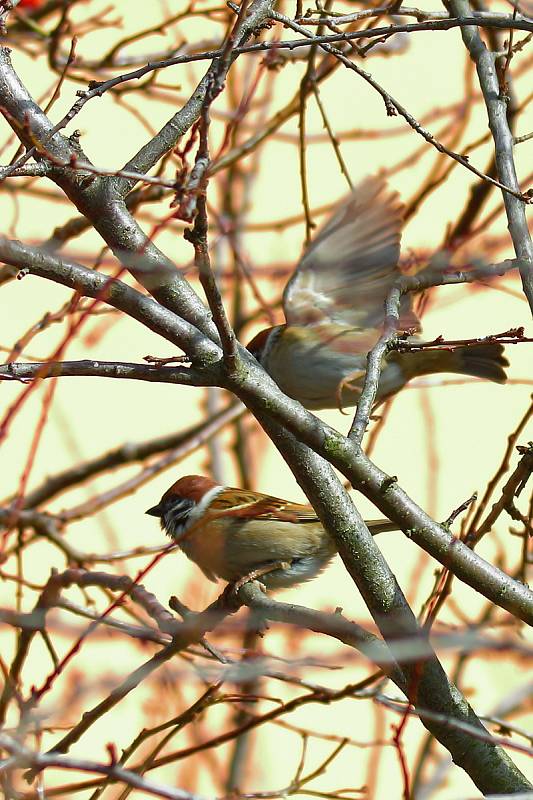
point(254, 505)
point(347, 270)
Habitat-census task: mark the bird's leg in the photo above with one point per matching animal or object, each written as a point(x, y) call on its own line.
point(258, 573)
point(257, 622)
point(348, 382)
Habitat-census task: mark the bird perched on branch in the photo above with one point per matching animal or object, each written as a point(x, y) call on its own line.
point(334, 311)
point(235, 534)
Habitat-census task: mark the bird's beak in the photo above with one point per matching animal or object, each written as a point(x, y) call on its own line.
point(155, 511)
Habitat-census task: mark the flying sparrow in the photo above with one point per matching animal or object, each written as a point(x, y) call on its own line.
point(234, 533)
point(334, 311)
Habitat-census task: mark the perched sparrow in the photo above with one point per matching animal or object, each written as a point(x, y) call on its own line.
point(334, 311)
point(233, 533)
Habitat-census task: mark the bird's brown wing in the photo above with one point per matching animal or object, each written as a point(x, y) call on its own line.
point(349, 267)
point(254, 505)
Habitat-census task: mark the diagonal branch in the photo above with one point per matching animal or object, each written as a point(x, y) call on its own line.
point(90, 283)
point(259, 392)
point(99, 199)
point(96, 198)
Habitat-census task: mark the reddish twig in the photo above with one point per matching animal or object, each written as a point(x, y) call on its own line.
point(511, 336)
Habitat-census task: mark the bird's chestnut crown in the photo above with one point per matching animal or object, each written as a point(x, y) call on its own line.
point(256, 345)
point(182, 497)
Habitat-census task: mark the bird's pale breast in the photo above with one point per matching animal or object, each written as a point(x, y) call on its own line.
point(231, 548)
point(310, 364)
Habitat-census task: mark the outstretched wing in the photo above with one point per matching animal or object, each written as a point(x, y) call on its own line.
point(348, 269)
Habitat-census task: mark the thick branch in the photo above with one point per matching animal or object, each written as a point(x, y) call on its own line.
point(427, 683)
point(99, 200)
point(387, 494)
point(90, 283)
point(446, 725)
point(169, 135)
point(256, 388)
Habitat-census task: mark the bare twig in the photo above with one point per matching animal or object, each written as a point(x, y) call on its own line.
point(24, 757)
point(126, 454)
point(394, 107)
point(503, 143)
point(512, 489)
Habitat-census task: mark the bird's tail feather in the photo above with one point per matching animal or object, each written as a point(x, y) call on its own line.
point(381, 526)
point(481, 361)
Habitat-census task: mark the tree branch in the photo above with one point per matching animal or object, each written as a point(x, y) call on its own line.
point(394, 107)
point(258, 390)
point(90, 283)
point(101, 369)
point(128, 453)
point(503, 143)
